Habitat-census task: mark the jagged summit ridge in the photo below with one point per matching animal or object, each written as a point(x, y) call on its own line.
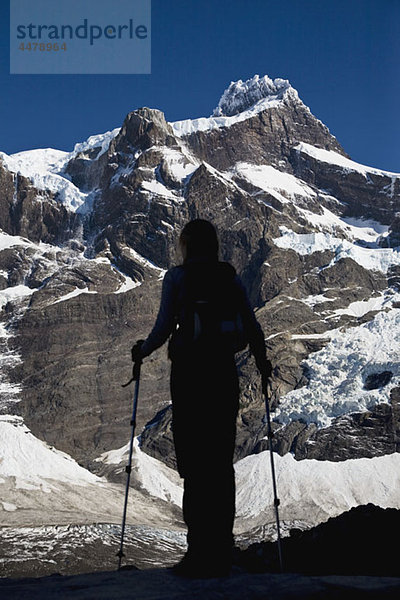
point(242, 95)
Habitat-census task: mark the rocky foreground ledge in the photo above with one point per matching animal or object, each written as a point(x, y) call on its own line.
point(161, 584)
point(349, 557)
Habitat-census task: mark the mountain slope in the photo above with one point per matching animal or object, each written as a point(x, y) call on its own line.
point(88, 235)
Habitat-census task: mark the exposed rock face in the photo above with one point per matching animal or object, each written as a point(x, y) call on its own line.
point(92, 285)
point(31, 213)
point(265, 138)
point(75, 359)
point(373, 194)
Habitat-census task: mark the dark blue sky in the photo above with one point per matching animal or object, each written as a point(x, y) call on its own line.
point(343, 57)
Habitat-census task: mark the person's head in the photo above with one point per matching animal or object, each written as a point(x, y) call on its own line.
point(199, 239)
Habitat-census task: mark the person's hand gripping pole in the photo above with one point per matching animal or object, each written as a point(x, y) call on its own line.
point(137, 362)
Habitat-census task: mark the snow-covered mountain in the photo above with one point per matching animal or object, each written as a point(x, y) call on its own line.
point(85, 240)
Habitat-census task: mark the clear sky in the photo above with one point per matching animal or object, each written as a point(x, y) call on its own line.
point(343, 57)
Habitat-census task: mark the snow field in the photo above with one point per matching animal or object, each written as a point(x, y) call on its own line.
point(100, 140)
point(32, 462)
point(312, 490)
point(374, 259)
point(43, 167)
point(180, 164)
point(155, 477)
point(283, 186)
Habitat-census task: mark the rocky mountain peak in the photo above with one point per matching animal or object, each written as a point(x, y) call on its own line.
point(144, 127)
point(242, 95)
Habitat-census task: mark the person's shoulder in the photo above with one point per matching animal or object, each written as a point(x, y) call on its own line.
point(174, 274)
point(176, 271)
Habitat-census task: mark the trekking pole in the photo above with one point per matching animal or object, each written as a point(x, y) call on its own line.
point(276, 499)
point(128, 468)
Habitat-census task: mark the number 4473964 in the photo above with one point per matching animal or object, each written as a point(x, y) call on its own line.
point(42, 47)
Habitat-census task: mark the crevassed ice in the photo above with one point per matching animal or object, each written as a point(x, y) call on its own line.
point(337, 372)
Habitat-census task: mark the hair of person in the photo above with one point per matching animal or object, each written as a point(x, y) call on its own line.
point(200, 240)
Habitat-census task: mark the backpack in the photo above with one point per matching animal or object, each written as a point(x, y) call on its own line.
point(208, 315)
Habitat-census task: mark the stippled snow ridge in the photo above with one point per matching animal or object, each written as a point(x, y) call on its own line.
point(242, 95)
point(240, 101)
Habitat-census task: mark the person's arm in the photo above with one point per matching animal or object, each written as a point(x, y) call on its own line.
point(165, 321)
point(254, 333)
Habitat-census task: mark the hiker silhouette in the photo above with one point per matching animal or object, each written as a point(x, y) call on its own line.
point(205, 312)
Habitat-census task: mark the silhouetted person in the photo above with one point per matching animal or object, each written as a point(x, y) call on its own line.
point(204, 391)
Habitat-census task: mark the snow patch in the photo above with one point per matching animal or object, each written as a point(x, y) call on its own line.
point(15, 293)
point(128, 284)
point(314, 490)
point(9, 507)
point(333, 158)
point(315, 299)
point(145, 262)
point(9, 241)
point(76, 292)
point(179, 164)
point(158, 189)
point(363, 307)
point(365, 230)
point(100, 140)
point(281, 185)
